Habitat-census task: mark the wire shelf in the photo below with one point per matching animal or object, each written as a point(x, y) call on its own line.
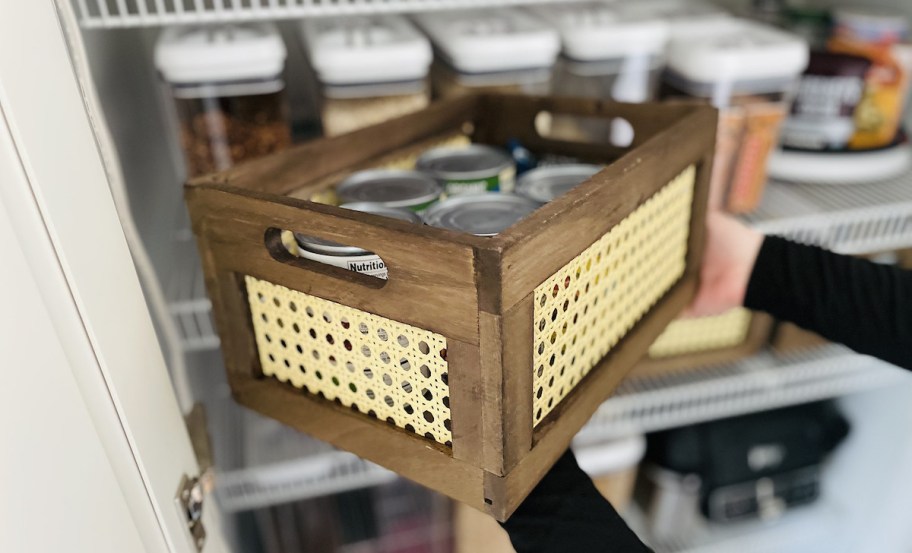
point(110, 14)
point(261, 462)
point(765, 381)
point(851, 219)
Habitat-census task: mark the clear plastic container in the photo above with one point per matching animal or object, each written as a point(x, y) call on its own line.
point(608, 52)
point(748, 71)
point(371, 69)
point(228, 92)
point(490, 50)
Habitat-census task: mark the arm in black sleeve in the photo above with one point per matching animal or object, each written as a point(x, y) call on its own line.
point(861, 304)
point(566, 513)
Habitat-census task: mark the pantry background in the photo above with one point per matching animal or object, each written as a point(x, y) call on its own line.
point(85, 111)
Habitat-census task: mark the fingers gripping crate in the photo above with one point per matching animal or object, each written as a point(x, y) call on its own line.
point(471, 368)
point(698, 342)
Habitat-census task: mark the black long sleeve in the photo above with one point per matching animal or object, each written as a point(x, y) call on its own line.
point(864, 305)
point(566, 513)
point(861, 304)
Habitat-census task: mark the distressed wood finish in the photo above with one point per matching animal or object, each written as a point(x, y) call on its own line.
point(758, 335)
point(475, 292)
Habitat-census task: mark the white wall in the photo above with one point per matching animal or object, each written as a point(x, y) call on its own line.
point(57, 489)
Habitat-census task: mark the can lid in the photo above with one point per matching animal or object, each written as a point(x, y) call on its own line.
point(738, 51)
point(391, 188)
point(366, 50)
point(491, 40)
point(220, 53)
point(546, 183)
point(466, 162)
point(377, 209)
point(595, 31)
point(319, 245)
point(485, 214)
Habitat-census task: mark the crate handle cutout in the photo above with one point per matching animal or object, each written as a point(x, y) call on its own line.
point(610, 130)
point(282, 247)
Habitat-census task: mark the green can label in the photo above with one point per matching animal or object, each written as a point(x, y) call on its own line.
point(455, 187)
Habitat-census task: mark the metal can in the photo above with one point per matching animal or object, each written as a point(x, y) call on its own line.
point(480, 214)
point(352, 258)
point(390, 188)
point(546, 183)
point(469, 170)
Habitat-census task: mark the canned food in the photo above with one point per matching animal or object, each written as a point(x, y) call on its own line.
point(352, 258)
point(390, 188)
point(472, 170)
point(546, 183)
point(480, 214)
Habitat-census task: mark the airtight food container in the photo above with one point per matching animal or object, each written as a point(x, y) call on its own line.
point(607, 52)
point(228, 91)
point(749, 72)
point(370, 69)
point(490, 50)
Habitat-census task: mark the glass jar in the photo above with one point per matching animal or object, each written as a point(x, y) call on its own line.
point(371, 69)
point(490, 50)
point(228, 91)
point(748, 71)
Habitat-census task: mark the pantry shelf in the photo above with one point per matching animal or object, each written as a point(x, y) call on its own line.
point(765, 381)
point(261, 462)
point(805, 529)
point(110, 14)
point(851, 219)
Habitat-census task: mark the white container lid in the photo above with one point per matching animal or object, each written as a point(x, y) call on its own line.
point(595, 31)
point(492, 40)
point(364, 50)
point(738, 51)
point(220, 53)
point(873, 23)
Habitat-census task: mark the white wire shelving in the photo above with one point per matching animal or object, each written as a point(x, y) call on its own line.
point(764, 381)
point(112, 14)
point(851, 219)
point(271, 463)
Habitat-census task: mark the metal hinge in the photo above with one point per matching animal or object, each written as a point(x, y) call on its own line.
point(190, 502)
point(193, 490)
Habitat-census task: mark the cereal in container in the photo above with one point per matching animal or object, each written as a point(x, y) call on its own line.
point(749, 71)
point(371, 69)
point(226, 81)
point(485, 50)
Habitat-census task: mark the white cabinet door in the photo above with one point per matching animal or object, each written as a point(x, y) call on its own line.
point(91, 328)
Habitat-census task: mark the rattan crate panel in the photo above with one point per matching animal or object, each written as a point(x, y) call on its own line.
point(703, 334)
point(374, 365)
point(586, 307)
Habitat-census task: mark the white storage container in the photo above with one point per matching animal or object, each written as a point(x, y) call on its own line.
point(371, 69)
point(608, 51)
point(490, 50)
point(748, 71)
point(228, 90)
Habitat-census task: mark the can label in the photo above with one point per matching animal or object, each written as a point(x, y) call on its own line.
point(455, 187)
point(368, 264)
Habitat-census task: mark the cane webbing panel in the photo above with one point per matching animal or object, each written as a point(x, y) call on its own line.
point(374, 365)
point(703, 334)
point(586, 307)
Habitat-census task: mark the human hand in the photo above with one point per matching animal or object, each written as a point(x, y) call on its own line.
point(728, 259)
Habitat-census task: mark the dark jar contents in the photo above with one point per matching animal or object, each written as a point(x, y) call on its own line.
point(218, 132)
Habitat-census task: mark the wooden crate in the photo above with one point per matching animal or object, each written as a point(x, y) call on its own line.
point(472, 367)
point(693, 343)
